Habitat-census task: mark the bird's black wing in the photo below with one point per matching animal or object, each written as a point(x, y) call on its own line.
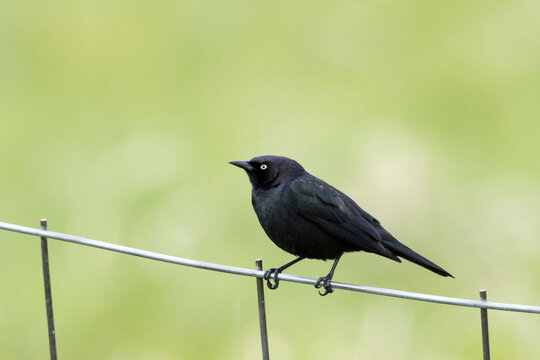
point(336, 214)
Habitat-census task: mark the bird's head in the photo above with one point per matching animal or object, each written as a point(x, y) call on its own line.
point(269, 171)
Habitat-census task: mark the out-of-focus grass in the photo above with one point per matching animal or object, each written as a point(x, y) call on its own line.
point(117, 121)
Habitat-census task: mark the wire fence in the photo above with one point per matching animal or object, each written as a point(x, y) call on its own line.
point(258, 273)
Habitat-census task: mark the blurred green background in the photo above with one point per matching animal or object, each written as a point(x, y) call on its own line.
point(117, 121)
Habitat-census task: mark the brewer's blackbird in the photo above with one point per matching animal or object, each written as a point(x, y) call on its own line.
point(308, 218)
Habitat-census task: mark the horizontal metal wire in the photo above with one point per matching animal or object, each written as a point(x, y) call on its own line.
point(260, 274)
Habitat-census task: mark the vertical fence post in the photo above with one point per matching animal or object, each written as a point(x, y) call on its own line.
point(262, 312)
point(48, 295)
point(485, 331)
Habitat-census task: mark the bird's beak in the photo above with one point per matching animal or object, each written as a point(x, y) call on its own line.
point(242, 164)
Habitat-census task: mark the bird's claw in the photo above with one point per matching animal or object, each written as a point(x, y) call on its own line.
point(269, 274)
point(324, 282)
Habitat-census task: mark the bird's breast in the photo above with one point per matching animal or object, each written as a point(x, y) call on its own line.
point(280, 220)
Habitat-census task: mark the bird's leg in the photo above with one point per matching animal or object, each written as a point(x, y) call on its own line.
point(274, 272)
point(325, 280)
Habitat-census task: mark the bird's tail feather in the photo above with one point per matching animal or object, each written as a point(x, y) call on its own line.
point(403, 251)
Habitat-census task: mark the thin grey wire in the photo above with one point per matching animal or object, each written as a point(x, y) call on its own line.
point(260, 274)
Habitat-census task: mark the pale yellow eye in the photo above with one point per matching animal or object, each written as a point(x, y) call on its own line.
point(264, 167)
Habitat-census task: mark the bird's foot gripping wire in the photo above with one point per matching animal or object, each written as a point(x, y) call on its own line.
point(324, 282)
point(272, 273)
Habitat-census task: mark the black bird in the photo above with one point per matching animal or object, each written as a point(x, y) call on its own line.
point(308, 218)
